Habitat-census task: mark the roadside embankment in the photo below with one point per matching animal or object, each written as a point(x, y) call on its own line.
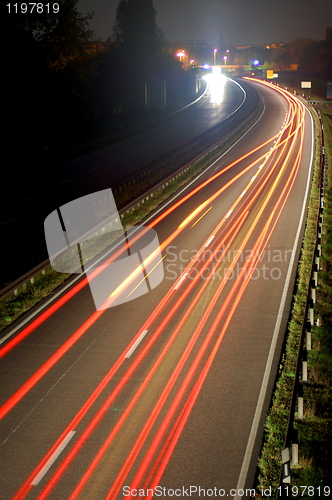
point(312, 427)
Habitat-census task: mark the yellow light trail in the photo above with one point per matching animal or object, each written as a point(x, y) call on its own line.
point(154, 267)
point(201, 217)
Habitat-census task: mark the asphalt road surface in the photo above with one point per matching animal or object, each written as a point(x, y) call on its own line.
point(168, 390)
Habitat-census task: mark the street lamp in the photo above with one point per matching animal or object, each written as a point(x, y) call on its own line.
point(181, 54)
point(214, 56)
point(225, 59)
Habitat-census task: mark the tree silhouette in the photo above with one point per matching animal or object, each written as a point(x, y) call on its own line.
point(139, 42)
point(317, 59)
point(60, 33)
point(136, 31)
point(63, 39)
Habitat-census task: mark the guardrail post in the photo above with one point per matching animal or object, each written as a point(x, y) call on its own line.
point(308, 335)
point(319, 250)
point(311, 312)
point(309, 341)
point(300, 408)
point(295, 454)
point(295, 448)
point(313, 292)
point(300, 413)
point(286, 478)
point(316, 273)
point(304, 366)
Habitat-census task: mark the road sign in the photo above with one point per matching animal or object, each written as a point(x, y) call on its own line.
point(305, 85)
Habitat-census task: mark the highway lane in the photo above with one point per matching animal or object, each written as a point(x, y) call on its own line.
point(205, 455)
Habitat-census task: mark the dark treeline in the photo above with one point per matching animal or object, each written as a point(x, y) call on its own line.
point(57, 94)
point(314, 58)
point(309, 56)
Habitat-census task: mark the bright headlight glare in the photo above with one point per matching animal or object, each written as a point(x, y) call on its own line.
point(216, 83)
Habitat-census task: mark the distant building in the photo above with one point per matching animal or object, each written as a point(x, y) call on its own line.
point(273, 45)
point(244, 47)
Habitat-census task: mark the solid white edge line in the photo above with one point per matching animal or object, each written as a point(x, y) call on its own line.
point(181, 281)
point(52, 459)
point(136, 343)
point(209, 241)
point(244, 97)
point(147, 219)
point(267, 372)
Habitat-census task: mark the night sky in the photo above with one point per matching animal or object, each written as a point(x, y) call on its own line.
point(240, 21)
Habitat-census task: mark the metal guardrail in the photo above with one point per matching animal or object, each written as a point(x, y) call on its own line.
point(21, 283)
point(290, 452)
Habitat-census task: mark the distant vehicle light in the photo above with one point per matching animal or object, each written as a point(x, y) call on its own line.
point(216, 84)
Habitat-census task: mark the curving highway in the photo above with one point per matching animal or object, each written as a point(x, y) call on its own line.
point(167, 393)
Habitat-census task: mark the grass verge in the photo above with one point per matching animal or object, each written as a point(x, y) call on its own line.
point(12, 307)
point(315, 429)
